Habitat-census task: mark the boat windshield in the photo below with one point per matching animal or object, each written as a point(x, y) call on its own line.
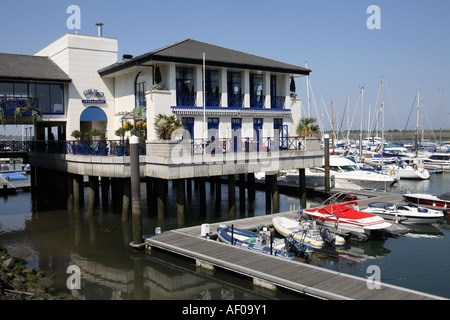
point(348, 168)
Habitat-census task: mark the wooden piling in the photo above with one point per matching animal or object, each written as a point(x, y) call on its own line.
point(135, 190)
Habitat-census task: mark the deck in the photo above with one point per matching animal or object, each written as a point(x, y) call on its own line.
point(289, 274)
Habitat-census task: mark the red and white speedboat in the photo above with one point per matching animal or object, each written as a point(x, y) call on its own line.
point(437, 202)
point(346, 216)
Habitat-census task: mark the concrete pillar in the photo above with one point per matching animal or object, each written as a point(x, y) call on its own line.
point(231, 196)
point(275, 194)
point(105, 191)
point(242, 192)
point(189, 188)
point(180, 189)
point(202, 187)
point(218, 181)
point(302, 187)
point(126, 199)
point(268, 189)
point(77, 189)
point(160, 198)
point(150, 195)
point(93, 194)
point(69, 182)
point(135, 190)
point(251, 186)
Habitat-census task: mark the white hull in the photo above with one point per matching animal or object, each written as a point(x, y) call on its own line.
point(404, 213)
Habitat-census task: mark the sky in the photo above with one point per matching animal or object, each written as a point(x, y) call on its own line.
point(409, 48)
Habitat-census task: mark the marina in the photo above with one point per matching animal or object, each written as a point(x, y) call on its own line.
point(194, 170)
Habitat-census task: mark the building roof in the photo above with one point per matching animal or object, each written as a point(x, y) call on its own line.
point(25, 67)
point(191, 52)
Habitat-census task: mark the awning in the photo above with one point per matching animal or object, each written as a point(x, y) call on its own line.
point(93, 114)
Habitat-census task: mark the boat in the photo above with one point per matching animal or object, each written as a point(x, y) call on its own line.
point(412, 172)
point(262, 241)
point(348, 175)
point(404, 213)
point(439, 159)
point(439, 202)
point(347, 216)
point(307, 232)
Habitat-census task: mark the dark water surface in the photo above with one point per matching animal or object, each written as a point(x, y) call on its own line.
point(99, 246)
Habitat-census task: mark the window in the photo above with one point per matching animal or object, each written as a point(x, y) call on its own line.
point(50, 96)
point(6, 89)
point(256, 91)
point(57, 98)
point(212, 88)
point(140, 91)
point(235, 97)
point(186, 95)
point(43, 94)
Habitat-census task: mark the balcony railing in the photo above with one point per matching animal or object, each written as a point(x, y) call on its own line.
point(236, 100)
point(230, 145)
point(213, 100)
point(278, 102)
point(257, 101)
point(26, 104)
point(186, 99)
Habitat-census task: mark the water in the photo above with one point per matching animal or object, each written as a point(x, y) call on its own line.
point(52, 241)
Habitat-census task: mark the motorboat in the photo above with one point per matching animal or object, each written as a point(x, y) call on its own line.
point(346, 215)
point(404, 213)
point(307, 232)
point(348, 175)
point(439, 159)
point(262, 241)
point(439, 202)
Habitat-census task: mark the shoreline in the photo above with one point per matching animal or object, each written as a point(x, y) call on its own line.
point(17, 282)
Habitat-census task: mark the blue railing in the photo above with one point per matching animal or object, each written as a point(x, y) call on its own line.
point(186, 99)
point(15, 146)
point(278, 102)
point(213, 100)
point(236, 100)
point(26, 104)
point(230, 145)
point(101, 148)
point(257, 101)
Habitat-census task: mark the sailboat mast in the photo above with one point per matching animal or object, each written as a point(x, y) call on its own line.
point(361, 126)
point(382, 114)
point(440, 130)
point(417, 123)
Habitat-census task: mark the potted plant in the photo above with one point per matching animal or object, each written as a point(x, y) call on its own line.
point(77, 134)
point(292, 88)
point(158, 79)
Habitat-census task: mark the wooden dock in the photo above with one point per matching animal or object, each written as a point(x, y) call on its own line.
point(6, 187)
point(289, 274)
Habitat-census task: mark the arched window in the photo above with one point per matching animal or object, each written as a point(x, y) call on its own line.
point(139, 91)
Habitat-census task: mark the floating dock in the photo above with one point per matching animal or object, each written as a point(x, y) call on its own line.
point(272, 271)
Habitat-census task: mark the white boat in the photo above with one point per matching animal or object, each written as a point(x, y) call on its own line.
point(405, 213)
point(349, 176)
point(412, 172)
point(439, 202)
point(306, 231)
point(439, 159)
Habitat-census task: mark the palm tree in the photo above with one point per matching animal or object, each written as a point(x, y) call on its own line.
point(306, 127)
point(166, 125)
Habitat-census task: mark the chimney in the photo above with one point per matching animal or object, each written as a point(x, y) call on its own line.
point(127, 57)
point(99, 29)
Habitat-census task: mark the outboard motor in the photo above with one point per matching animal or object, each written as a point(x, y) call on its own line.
point(297, 248)
point(327, 236)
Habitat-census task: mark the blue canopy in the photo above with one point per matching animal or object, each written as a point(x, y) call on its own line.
point(93, 114)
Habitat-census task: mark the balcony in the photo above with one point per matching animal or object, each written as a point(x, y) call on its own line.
point(278, 102)
point(257, 101)
point(213, 100)
point(235, 100)
point(186, 99)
